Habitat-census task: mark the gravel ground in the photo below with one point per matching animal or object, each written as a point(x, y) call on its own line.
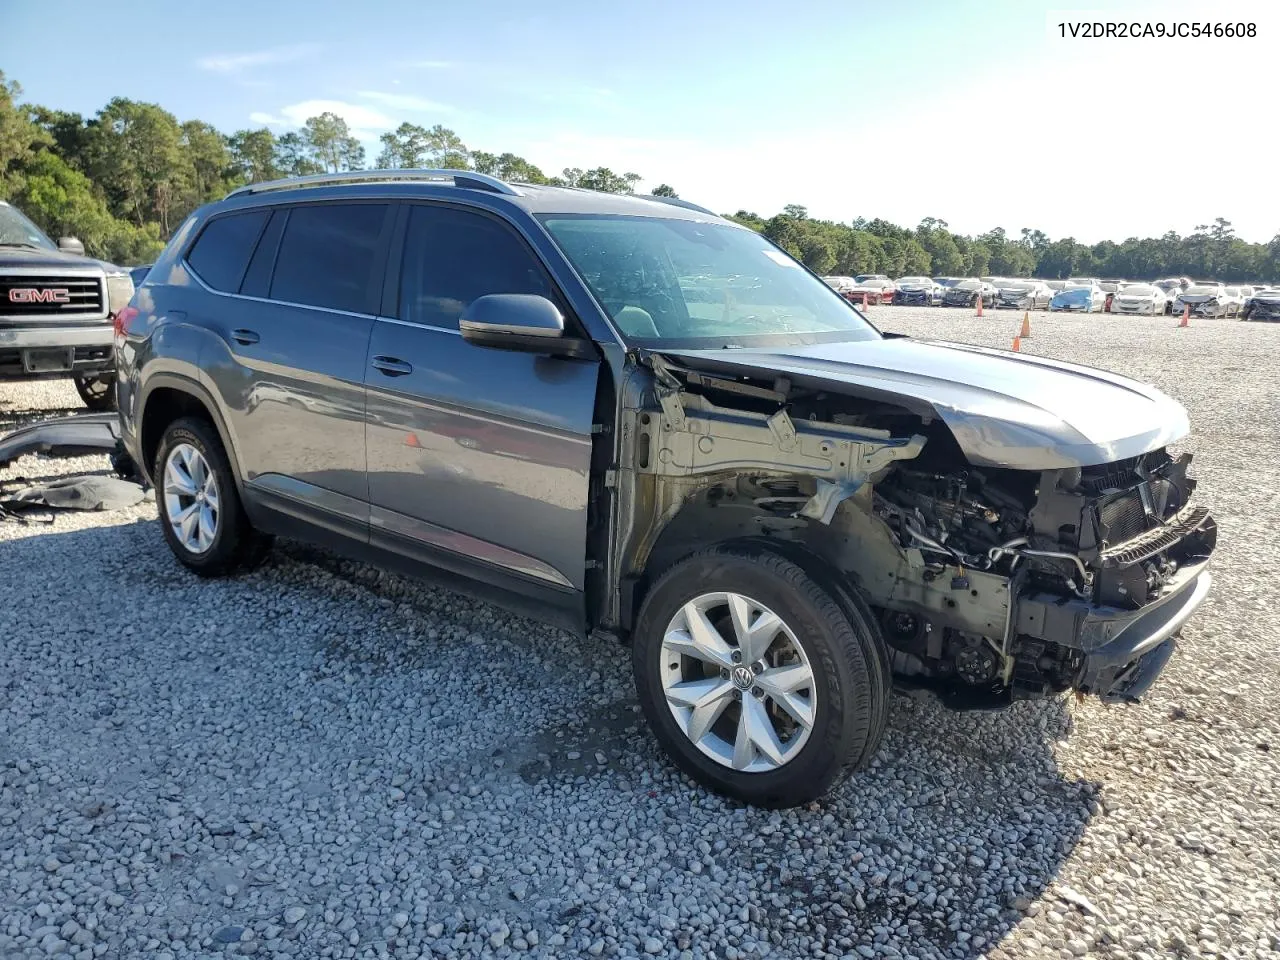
point(321, 760)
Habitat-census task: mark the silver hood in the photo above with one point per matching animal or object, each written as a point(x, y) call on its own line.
point(1004, 409)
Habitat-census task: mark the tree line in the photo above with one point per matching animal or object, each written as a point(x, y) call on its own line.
point(124, 179)
point(1212, 251)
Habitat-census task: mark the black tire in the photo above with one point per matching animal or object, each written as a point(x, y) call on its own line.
point(840, 639)
point(236, 546)
point(98, 391)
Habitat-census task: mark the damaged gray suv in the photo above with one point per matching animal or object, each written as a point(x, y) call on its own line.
point(629, 416)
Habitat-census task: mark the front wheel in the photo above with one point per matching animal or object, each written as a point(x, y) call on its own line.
point(755, 679)
point(97, 391)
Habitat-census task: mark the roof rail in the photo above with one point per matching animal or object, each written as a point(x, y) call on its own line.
point(460, 178)
point(677, 202)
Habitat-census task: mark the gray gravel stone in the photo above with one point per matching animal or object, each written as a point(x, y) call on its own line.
point(318, 732)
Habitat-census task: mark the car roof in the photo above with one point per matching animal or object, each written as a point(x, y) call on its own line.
point(535, 199)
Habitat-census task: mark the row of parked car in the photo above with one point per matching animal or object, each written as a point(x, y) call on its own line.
point(1084, 295)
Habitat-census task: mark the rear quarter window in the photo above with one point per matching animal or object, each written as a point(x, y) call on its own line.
point(222, 251)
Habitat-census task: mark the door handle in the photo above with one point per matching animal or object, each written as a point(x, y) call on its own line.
point(392, 366)
point(245, 336)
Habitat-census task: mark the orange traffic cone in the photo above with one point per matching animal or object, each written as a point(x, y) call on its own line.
point(979, 304)
point(1186, 316)
point(1017, 344)
point(1026, 325)
point(864, 301)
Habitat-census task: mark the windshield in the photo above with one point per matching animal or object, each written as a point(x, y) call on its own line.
point(1202, 288)
point(1018, 286)
point(945, 281)
point(678, 282)
point(1078, 285)
point(968, 285)
point(17, 230)
point(914, 281)
point(1138, 290)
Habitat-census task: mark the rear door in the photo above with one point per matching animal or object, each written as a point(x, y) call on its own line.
point(291, 371)
point(479, 459)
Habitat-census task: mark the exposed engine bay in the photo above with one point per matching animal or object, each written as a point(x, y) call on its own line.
point(1113, 536)
point(991, 584)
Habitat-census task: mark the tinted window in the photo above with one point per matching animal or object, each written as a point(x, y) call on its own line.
point(257, 279)
point(327, 255)
point(451, 257)
point(223, 248)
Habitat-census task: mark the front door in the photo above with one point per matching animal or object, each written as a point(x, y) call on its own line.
point(474, 452)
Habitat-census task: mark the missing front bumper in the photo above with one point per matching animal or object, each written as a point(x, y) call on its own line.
point(1116, 654)
point(1123, 669)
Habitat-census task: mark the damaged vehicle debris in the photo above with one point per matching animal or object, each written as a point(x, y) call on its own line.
point(626, 415)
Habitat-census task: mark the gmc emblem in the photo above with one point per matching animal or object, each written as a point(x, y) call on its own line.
point(39, 295)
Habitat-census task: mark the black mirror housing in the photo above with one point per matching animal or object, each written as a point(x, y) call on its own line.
point(519, 321)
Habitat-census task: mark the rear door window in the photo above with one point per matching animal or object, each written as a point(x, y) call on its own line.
point(221, 252)
point(328, 256)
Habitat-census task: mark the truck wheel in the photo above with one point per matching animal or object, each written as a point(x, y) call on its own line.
point(754, 678)
point(201, 515)
point(98, 392)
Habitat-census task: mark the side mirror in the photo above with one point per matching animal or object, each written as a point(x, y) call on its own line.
point(519, 321)
point(71, 245)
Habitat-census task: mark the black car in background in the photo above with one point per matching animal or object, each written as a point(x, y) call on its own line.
point(1263, 305)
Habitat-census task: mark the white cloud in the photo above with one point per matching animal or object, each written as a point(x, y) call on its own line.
point(365, 122)
point(405, 101)
point(259, 117)
point(427, 64)
point(234, 63)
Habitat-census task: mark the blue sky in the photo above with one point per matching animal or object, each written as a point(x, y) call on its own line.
point(973, 113)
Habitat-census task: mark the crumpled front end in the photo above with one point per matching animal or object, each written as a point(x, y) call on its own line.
point(992, 581)
point(1261, 309)
point(1021, 585)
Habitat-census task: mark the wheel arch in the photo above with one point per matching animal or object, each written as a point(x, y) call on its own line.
point(724, 512)
point(168, 397)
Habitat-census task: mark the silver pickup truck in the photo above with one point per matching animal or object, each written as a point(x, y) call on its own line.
point(56, 310)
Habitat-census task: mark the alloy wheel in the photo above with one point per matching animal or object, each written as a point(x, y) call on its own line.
point(738, 682)
point(191, 498)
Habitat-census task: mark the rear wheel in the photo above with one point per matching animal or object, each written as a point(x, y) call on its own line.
point(201, 516)
point(97, 391)
point(756, 680)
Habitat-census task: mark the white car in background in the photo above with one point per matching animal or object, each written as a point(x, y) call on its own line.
point(841, 285)
point(918, 291)
point(1024, 295)
point(1234, 299)
point(1139, 298)
point(876, 287)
